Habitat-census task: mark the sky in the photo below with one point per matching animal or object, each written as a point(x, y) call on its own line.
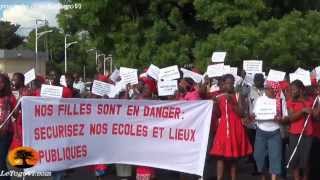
point(24, 12)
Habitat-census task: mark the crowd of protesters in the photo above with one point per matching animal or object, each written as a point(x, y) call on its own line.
point(235, 132)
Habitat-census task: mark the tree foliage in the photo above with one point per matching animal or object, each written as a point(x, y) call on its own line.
point(285, 34)
point(8, 37)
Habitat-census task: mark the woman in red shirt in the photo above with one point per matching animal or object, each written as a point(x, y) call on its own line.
point(299, 108)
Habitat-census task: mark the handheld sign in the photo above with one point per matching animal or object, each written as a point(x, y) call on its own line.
point(301, 71)
point(51, 91)
point(215, 70)
point(195, 76)
point(29, 76)
point(128, 75)
point(306, 80)
point(234, 71)
point(265, 109)
point(101, 88)
point(153, 72)
point(63, 81)
point(275, 75)
point(317, 69)
point(218, 57)
point(167, 88)
point(169, 73)
point(252, 66)
point(115, 75)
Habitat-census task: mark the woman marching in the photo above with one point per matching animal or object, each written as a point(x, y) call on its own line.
point(231, 142)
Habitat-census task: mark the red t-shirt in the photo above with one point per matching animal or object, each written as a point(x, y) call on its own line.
point(67, 92)
point(297, 126)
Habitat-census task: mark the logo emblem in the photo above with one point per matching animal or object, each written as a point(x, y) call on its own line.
point(23, 157)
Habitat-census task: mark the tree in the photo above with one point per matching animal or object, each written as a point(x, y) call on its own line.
point(165, 32)
point(8, 37)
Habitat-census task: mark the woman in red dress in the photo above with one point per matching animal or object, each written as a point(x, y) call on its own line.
point(231, 141)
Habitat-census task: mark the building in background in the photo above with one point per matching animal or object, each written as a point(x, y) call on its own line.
point(12, 61)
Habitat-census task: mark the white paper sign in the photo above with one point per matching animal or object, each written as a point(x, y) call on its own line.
point(63, 81)
point(159, 134)
point(51, 91)
point(153, 72)
point(215, 70)
point(115, 75)
point(317, 70)
point(101, 88)
point(29, 76)
point(252, 66)
point(306, 80)
point(301, 71)
point(265, 108)
point(218, 57)
point(190, 74)
point(234, 71)
point(275, 75)
point(167, 88)
point(129, 76)
point(169, 73)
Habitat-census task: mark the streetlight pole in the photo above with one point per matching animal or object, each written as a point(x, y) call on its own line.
point(98, 55)
point(96, 51)
point(104, 63)
point(37, 36)
point(66, 45)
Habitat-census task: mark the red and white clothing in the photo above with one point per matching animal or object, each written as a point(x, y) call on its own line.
point(297, 126)
point(231, 140)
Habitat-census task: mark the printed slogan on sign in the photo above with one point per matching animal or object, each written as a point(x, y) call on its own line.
point(69, 133)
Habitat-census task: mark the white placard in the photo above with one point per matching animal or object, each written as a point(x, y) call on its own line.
point(306, 80)
point(234, 71)
point(115, 75)
point(215, 70)
point(275, 75)
point(218, 57)
point(129, 76)
point(169, 73)
point(101, 88)
point(249, 79)
point(265, 109)
point(226, 69)
point(301, 71)
point(167, 88)
point(252, 66)
point(63, 81)
point(29, 76)
point(159, 134)
point(190, 74)
point(51, 91)
point(317, 70)
point(153, 72)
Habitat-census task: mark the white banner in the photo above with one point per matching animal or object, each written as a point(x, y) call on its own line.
point(70, 133)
